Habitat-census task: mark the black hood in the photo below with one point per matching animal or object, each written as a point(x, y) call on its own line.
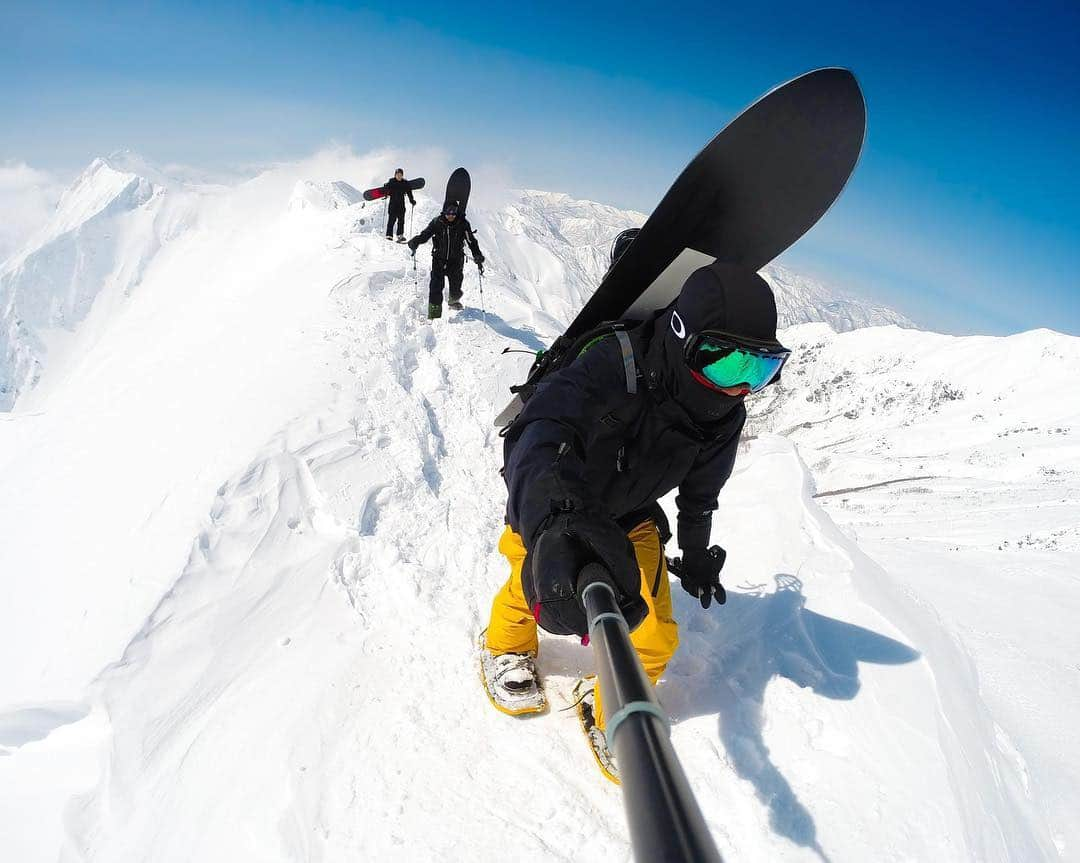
point(721, 297)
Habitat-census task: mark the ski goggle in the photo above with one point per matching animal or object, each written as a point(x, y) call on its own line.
point(723, 360)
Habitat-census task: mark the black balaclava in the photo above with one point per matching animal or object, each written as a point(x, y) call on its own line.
point(722, 297)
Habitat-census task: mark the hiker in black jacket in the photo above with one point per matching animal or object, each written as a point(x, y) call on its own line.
point(448, 232)
point(638, 413)
point(397, 188)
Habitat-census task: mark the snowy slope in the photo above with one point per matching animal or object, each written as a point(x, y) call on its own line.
point(250, 541)
point(956, 463)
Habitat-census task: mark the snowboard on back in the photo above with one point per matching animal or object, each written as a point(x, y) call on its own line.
point(756, 188)
point(458, 188)
point(381, 192)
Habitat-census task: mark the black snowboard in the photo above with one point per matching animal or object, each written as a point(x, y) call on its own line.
point(380, 192)
point(457, 189)
point(756, 188)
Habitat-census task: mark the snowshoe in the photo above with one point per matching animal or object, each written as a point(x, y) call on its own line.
point(511, 682)
point(400, 240)
point(455, 305)
point(434, 310)
point(585, 693)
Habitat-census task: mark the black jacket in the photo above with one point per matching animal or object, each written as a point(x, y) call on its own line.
point(583, 438)
point(448, 240)
point(398, 190)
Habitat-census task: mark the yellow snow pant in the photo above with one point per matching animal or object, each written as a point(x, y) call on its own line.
point(513, 630)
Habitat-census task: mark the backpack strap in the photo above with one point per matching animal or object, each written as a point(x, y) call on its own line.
point(628, 360)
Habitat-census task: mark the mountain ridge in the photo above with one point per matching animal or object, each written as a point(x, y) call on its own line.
point(119, 212)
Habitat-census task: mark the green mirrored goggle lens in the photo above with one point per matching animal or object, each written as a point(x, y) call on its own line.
point(732, 367)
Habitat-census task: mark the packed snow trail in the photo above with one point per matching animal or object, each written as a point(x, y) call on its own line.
point(304, 686)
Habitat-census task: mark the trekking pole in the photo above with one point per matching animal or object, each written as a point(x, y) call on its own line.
point(483, 311)
point(664, 817)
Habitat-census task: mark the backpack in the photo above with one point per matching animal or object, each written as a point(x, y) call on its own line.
point(564, 351)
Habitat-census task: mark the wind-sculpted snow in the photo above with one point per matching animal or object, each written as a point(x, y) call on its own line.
point(250, 543)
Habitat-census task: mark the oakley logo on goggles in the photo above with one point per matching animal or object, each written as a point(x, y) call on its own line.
point(724, 360)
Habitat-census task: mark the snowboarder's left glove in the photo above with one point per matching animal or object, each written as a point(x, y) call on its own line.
point(480, 267)
point(699, 573)
point(570, 542)
point(412, 246)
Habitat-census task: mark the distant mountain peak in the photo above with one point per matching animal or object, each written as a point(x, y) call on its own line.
point(801, 300)
point(580, 232)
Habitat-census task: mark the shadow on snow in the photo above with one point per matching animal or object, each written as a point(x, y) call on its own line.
point(728, 658)
point(524, 335)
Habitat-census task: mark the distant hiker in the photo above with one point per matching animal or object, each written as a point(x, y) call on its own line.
point(448, 232)
point(397, 188)
point(637, 413)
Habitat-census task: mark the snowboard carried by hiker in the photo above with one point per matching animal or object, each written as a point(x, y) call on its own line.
point(449, 232)
point(644, 394)
point(588, 458)
point(395, 191)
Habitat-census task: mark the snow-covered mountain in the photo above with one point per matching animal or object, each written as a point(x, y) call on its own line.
point(800, 300)
point(106, 229)
point(250, 519)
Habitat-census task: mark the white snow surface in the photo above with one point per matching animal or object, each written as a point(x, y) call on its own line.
point(251, 503)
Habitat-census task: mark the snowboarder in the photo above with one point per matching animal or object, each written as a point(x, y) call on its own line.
point(397, 188)
point(638, 413)
point(448, 232)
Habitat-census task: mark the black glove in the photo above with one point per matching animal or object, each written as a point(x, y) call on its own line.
point(570, 542)
point(480, 265)
point(412, 246)
point(699, 573)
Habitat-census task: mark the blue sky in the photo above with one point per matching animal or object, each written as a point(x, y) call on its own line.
point(963, 212)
